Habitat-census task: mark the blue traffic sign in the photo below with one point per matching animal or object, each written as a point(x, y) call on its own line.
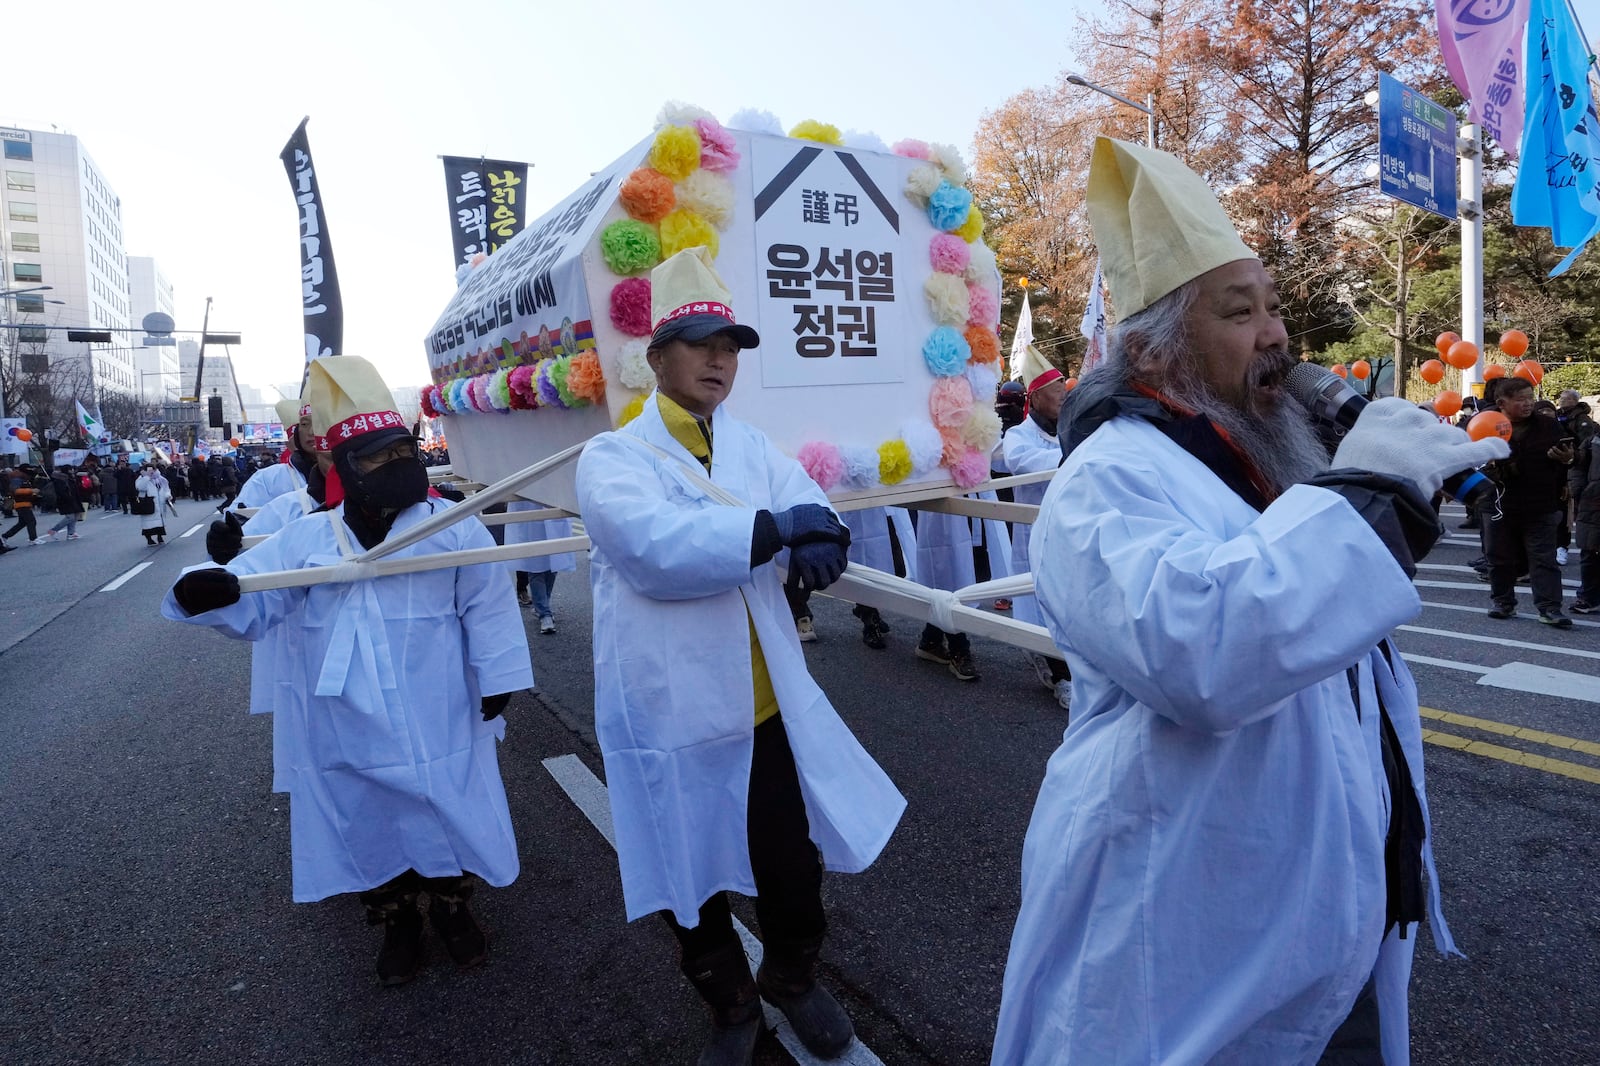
point(1417, 148)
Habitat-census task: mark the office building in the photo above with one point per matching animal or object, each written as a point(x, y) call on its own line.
point(62, 226)
point(156, 365)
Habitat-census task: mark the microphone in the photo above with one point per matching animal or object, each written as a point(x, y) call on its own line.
point(1329, 398)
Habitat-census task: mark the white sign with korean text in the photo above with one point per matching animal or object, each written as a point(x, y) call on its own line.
point(831, 283)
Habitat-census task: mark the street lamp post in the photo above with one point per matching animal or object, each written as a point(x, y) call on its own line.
point(1148, 107)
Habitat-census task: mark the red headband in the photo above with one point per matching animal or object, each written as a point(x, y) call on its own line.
point(1049, 376)
point(699, 307)
point(356, 425)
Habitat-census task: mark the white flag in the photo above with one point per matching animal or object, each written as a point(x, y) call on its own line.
point(1023, 336)
point(1093, 326)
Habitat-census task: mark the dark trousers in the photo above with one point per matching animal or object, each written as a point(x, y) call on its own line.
point(1356, 1042)
point(25, 520)
point(786, 864)
point(1588, 577)
point(1504, 538)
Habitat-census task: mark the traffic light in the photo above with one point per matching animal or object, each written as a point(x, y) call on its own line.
point(214, 406)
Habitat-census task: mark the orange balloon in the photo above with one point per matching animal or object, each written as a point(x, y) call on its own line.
point(1514, 342)
point(1492, 371)
point(234, 441)
point(1489, 424)
point(24, 435)
point(1444, 340)
point(1339, 368)
point(1535, 370)
point(1072, 383)
point(1462, 355)
point(1447, 404)
point(1361, 368)
point(1524, 373)
point(1432, 371)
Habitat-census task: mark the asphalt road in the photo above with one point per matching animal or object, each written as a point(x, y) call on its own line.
point(145, 871)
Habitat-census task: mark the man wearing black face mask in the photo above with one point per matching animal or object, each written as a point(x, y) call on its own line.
point(275, 479)
point(389, 680)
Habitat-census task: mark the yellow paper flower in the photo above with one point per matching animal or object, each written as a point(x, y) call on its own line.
point(972, 228)
point(633, 410)
point(812, 130)
point(684, 229)
point(676, 152)
point(894, 461)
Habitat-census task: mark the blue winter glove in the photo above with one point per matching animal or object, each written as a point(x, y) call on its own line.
point(808, 522)
point(815, 565)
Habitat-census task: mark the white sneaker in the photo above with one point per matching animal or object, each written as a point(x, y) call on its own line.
point(1063, 689)
point(1561, 557)
point(547, 624)
point(807, 631)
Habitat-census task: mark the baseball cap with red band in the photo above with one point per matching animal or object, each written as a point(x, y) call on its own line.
point(689, 302)
point(350, 403)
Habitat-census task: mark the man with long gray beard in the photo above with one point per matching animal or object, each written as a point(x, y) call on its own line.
point(1226, 860)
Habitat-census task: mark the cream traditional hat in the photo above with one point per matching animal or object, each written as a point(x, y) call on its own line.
point(688, 301)
point(288, 413)
point(1037, 371)
point(348, 401)
point(1157, 223)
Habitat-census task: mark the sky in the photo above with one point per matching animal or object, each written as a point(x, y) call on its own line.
point(185, 106)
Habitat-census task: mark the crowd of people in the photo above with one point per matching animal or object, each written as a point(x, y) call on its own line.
point(1231, 850)
point(146, 489)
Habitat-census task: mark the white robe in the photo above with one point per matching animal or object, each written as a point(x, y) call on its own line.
point(1203, 877)
point(267, 484)
point(531, 532)
point(396, 768)
point(674, 706)
point(273, 689)
point(1027, 450)
point(158, 490)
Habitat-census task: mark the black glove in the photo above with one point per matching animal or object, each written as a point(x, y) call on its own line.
point(451, 493)
point(225, 539)
point(816, 565)
point(200, 591)
point(494, 706)
point(809, 522)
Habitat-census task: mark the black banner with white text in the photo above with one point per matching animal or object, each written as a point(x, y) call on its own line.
point(319, 281)
point(487, 205)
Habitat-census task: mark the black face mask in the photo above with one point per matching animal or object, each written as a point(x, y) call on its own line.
point(394, 486)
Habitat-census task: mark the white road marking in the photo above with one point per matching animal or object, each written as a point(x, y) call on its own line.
point(192, 530)
point(127, 577)
point(1567, 581)
point(1527, 678)
point(1479, 610)
point(1504, 643)
point(1481, 586)
point(586, 791)
point(1448, 664)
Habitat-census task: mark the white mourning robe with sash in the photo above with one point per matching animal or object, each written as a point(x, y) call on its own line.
point(1203, 877)
point(531, 532)
point(273, 686)
point(1027, 450)
point(674, 600)
point(267, 484)
point(400, 769)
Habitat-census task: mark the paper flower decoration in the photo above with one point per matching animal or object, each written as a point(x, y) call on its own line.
point(950, 402)
point(949, 254)
point(676, 151)
point(894, 462)
point(633, 366)
point(630, 307)
point(946, 352)
point(823, 462)
point(586, 380)
point(821, 132)
point(948, 206)
point(708, 195)
point(647, 195)
point(630, 246)
point(984, 343)
point(718, 152)
point(948, 299)
point(631, 410)
point(685, 229)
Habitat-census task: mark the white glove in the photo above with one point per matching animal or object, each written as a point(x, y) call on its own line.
point(1401, 440)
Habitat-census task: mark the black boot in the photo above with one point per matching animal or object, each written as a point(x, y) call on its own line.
point(723, 980)
point(400, 958)
point(788, 980)
point(466, 941)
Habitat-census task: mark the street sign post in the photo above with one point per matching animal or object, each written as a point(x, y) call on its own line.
point(1417, 148)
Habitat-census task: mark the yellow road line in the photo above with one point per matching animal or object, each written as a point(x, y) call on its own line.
point(1512, 755)
point(1536, 736)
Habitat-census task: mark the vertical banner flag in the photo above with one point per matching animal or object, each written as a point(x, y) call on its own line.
point(1556, 184)
point(1023, 335)
point(91, 426)
point(10, 443)
point(1093, 326)
point(319, 282)
point(1482, 46)
point(483, 218)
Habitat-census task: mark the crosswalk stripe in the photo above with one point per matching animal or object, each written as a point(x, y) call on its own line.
point(1479, 609)
point(1502, 642)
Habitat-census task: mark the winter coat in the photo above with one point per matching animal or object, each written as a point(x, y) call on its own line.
point(1028, 449)
point(1584, 482)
